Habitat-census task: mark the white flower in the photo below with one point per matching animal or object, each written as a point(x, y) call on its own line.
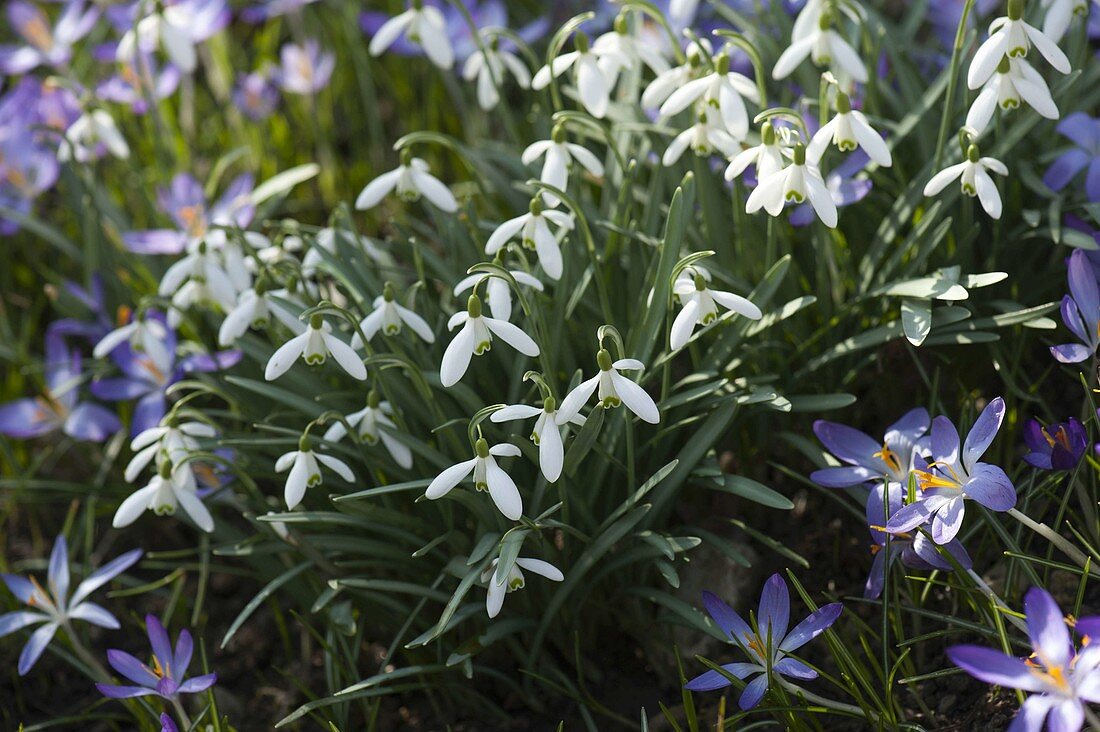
point(86, 133)
point(593, 85)
point(797, 182)
point(498, 587)
point(412, 180)
point(848, 130)
point(672, 79)
point(305, 471)
point(198, 278)
point(826, 48)
point(367, 422)
point(619, 49)
point(692, 286)
point(487, 476)
point(253, 310)
point(808, 19)
point(974, 179)
point(315, 345)
point(1015, 81)
point(767, 156)
point(614, 389)
point(559, 155)
point(144, 334)
point(476, 338)
point(389, 317)
point(723, 90)
point(421, 24)
point(170, 28)
point(682, 12)
point(169, 442)
point(170, 488)
point(1011, 36)
point(704, 137)
point(546, 432)
point(497, 292)
point(1059, 15)
point(326, 241)
point(488, 67)
point(534, 230)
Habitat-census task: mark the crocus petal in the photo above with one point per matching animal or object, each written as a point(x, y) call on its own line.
point(794, 668)
point(775, 610)
point(131, 668)
point(982, 433)
point(1046, 626)
point(948, 520)
point(197, 684)
point(753, 693)
point(991, 487)
point(712, 680)
point(94, 614)
point(994, 667)
point(814, 625)
point(13, 621)
point(726, 618)
point(124, 692)
point(58, 571)
point(35, 646)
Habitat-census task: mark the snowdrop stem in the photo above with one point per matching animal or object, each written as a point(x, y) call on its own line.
point(986, 590)
point(952, 81)
point(786, 113)
point(661, 20)
point(84, 654)
point(557, 41)
point(827, 703)
point(1054, 538)
point(737, 39)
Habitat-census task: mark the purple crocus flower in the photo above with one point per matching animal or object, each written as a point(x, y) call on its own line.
point(268, 9)
point(948, 481)
point(137, 84)
point(842, 184)
point(768, 646)
point(59, 407)
point(869, 460)
point(185, 203)
point(27, 170)
point(1084, 132)
point(1061, 679)
point(1080, 311)
point(164, 676)
point(1055, 447)
point(44, 45)
point(255, 95)
point(304, 69)
point(94, 303)
point(53, 606)
point(166, 723)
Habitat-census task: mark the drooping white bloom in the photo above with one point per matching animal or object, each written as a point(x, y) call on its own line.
point(488, 67)
point(197, 279)
point(614, 389)
point(412, 180)
point(707, 136)
point(682, 12)
point(546, 432)
point(171, 488)
point(619, 50)
point(315, 345)
point(366, 423)
point(389, 317)
point(476, 338)
point(767, 156)
point(808, 19)
point(1015, 82)
point(534, 230)
point(559, 156)
point(144, 334)
point(170, 442)
point(1011, 36)
point(827, 48)
point(724, 91)
point(421, 24)
point(253, 310)
point(171, 28)
point(799, 181)
point(488, 476)
point(676, 77)
point(848, 130)
point(305, 471)
point(700, 304)
point(326, 241)
point(973, 175)
point(83, 137)
point(1060, 13)
point(497, 291)
point(593, 85)
point(498, 586)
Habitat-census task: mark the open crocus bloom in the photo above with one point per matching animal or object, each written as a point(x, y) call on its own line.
point(45, 45)
point(1080, 311)
point(488, 476)
point(1057, 446)
point(305, 69)
point(164, 675)
point(1084, 132)
point(195, 217)
point(870, 461)
point(613, 389)
point(498, 586)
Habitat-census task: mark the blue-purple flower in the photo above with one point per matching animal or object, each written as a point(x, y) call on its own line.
point(954, 476)
point(869, 460)
point(1057, 446)
point(1062, 680)
point(304, 69)
point(136, 84)
point(268, 9)
point(185, 203)
point(255, 95)
point(1084, 132)
point(768, 645)
point(53, 606)
point(164, 675)
point(1080, 311)
point(45, 46)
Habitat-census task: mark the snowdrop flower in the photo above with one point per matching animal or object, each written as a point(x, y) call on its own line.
point(87, 133)
point(488, 476)
point(170, 28)
point(488, 66)
point(559, 155)
point(798, 182)
point(198, 278)
point(412, 180)
point(825, 46)
point(145, 335)
point(767, 156)
point(169, 442)
point(253, 310)
point(534, 230)
point(172, 487)
point(667, 82)
point(326, 240)
point(849, 130)
point(1011, 36)
point(682, 12)
point(315, 345)
point(808, 19)
point(52, 604)
point(947, 482)
point(593, 85)
point(497, 292)
point(973, 174)
point(305, 471)
point(499, 586)
point(706, 136)
point(1060, 13)
point(45, 45)
point(423, 25)
point(476, 338)
point(1015, 81)
point(723, 90)
point(692, 286)
point(546, 432)
point(389, 317)
point(619, 49)
point(614, 389)
point(367, 422)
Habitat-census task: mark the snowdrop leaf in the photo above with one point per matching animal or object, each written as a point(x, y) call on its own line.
point(752, 490)
point(283, 182)
point(916, 319)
